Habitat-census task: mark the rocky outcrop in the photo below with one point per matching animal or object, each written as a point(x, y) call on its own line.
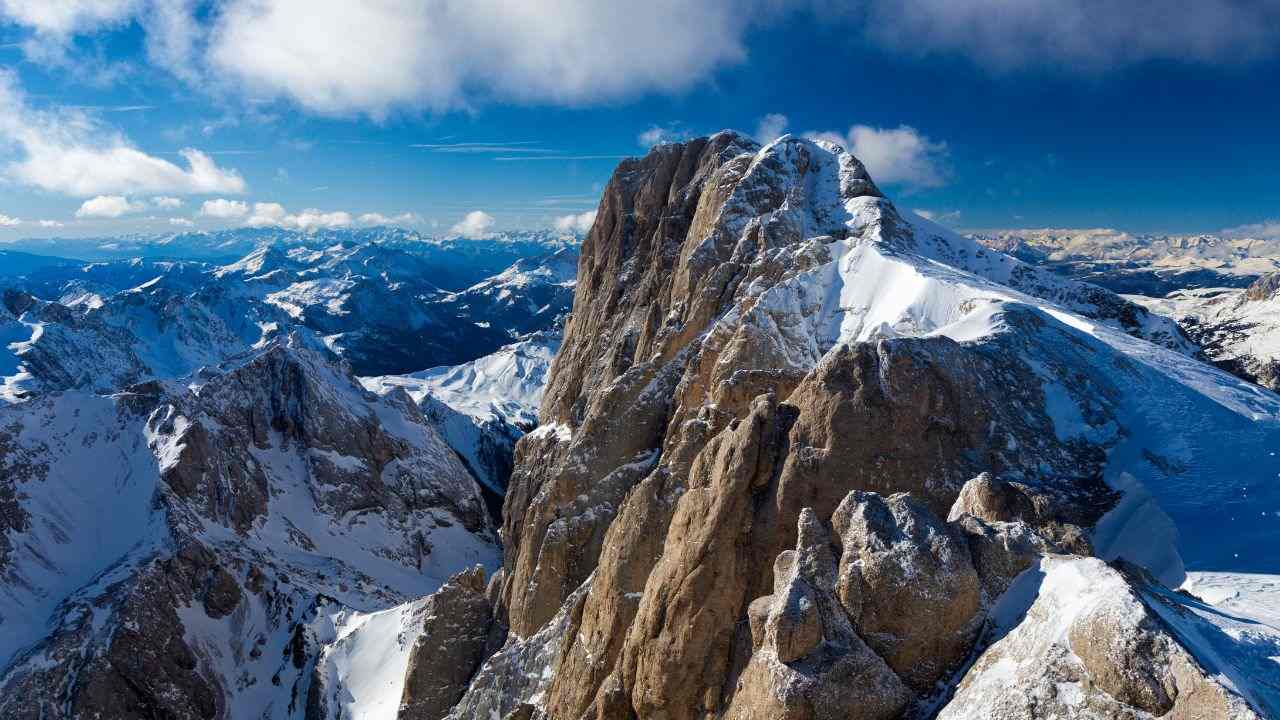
point(808, 662)
point(1264, 288)
point(732, 507)
point(1090, 646)
point(456, 632)
point(908, 584)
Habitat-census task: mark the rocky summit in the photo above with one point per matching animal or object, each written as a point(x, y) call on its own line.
point(798, 455)
point(802, 455)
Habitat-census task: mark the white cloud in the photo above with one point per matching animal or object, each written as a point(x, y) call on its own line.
point(49, 224)
point(180, 222)
point(312, 218)
point(771, 127)
point(380, 219)
point(475, 225)
point(894, 156)
point(166, 203)
point(1076, 34)
point(6, 221)
point(274, 214)
point(67, 151)
point(1265, 230)
point(266, 214)
point(343, 58)
point(65, 17)
point(580, 223)
point(374, 57)
point(224, 209)
point(657, 135)
point(108, 206)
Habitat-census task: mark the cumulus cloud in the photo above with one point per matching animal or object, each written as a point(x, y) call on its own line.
point(1265, 230)
point(108, 206)
point(224, 209)
point(166, 203)
point(67, 151)
point(180, 222)
point(65, 17)
point(894, 156)
point(771, 127)
point(580, 223)
point(373, 219)
point(6, 221)
point(475, 225)
point(274, 215)
point(54, 22)
point(1077, 34)
point(347, 58)
point(49, 223)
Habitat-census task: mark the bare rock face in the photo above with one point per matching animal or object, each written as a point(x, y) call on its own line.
point(993, 500)
point(1090, 645)
point(700, 402)
point(808, 662)
point(455, 635)
point(1003, 526)
point(908, 584)
point(1264, 288)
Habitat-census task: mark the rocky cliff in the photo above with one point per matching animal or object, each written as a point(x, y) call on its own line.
point(796, 447)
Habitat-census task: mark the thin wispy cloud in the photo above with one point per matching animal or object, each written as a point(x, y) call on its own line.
point(445, 146)
point(562, 157)
point(111, 108)
point(483, 149)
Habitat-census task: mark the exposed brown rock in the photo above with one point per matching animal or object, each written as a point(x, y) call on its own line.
point(908, 584)
point(1264, 288)
point(994, 500)
point(455, 632)
point(808, 662)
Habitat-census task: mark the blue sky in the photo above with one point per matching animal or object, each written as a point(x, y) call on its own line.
point(1146, 116)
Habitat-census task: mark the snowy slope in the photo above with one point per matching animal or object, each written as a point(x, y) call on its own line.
point(1239, 329)
point(482, 408)
point(1178, 427)
point(277, 467)
point(1057, 615)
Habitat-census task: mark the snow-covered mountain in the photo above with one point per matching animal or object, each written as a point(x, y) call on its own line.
point(249, 508)
point(796, 454)
point(472, 259)
point(1239, 329)
point(802, 455)
point(484, 406)
point(105, 325)
point(1142, 264)
point(267, 512)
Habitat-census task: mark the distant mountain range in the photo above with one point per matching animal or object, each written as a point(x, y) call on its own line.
point(1141, 264)
point(388, 301)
